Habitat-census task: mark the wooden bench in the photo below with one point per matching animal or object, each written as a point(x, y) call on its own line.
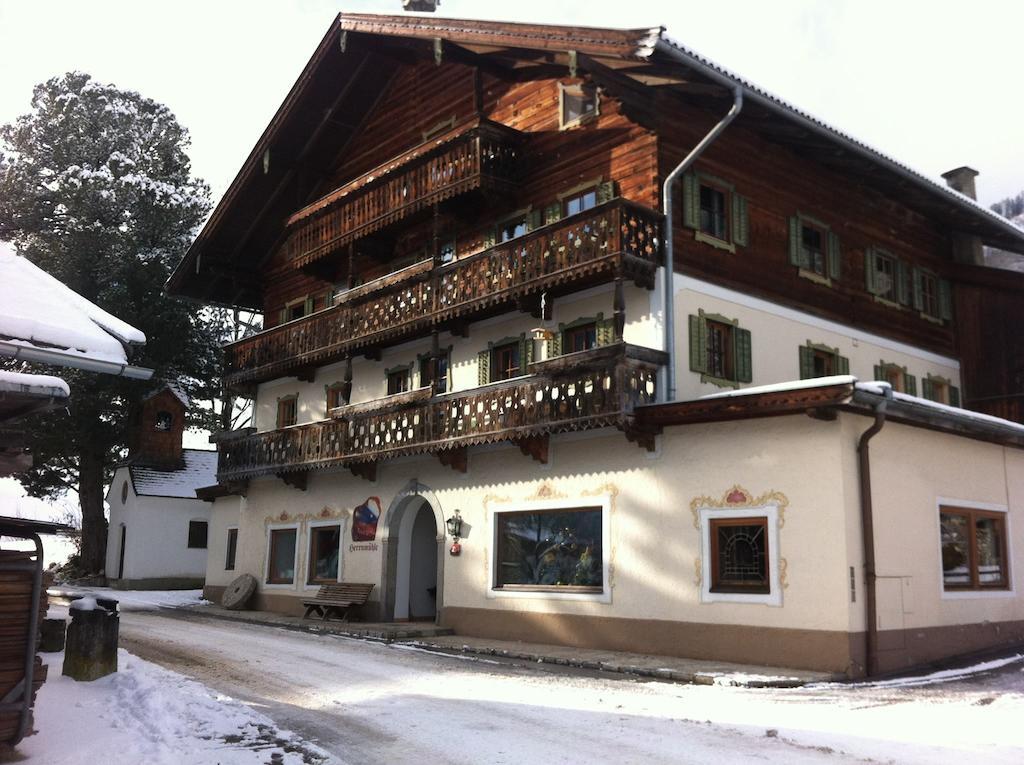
point(337, 598)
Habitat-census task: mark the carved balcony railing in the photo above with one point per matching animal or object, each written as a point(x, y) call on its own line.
point(579, 391)
point(616, 238)
point(479, 155)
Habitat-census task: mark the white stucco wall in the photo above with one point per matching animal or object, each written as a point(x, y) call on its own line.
point(157, 534)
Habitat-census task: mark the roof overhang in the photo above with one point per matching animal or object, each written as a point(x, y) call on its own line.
point(360, 52)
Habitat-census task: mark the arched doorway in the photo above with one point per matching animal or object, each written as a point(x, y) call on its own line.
point(413, 543)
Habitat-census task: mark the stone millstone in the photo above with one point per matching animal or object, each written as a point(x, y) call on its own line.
point(238, 593)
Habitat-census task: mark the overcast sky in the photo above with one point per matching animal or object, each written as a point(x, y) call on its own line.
point(936, 84)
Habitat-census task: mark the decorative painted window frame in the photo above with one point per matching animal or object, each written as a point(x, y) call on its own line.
point(604, 501)
point(770, 512)
point(340, 523)
point(944, 594)
point(580, 88)
point(264, 584)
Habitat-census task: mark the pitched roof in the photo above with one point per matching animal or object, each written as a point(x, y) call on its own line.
point(200, 470)
point(39, 311)
point(353, 58)
point(174, 388)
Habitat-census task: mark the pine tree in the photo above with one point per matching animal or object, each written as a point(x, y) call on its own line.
point(96, 188)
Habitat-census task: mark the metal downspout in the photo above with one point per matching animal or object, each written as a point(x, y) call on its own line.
point(666, 197)
point(868, 530)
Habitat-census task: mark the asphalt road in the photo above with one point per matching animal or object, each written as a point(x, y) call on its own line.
point(368, 703)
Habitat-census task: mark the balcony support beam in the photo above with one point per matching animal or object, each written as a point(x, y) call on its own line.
point(306, 374)
point(297, 479)
point(642, 436)
point(457, 459)
point(365, 470)
point(536, 447)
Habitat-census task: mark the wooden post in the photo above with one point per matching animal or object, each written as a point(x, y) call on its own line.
point(351, 266)
point(91, 648)
point(346, 385)
point(432, 363)
point(620, 308)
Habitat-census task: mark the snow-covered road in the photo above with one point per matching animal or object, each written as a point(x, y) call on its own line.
point(368, 703)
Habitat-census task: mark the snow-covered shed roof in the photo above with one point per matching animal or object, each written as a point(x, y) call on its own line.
point(200, 470)
point(174, 388)
point(37, 385)
point(38, 311)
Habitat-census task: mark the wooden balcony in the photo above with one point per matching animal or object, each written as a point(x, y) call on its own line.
point(479, 155)
point(616, 239)
point(578, 391)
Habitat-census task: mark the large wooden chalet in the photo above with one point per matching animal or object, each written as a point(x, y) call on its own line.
point(456, 233)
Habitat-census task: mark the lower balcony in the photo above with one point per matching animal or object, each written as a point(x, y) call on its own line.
point(579, 391)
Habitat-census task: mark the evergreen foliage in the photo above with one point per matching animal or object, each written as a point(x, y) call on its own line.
point(96, 189)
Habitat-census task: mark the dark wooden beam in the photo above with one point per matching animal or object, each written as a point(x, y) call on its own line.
point(536, 447)
point(306, 374)
point(457, 459)
point(297, 479)
point(365, 470)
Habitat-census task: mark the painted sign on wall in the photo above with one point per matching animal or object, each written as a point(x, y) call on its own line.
point(364, 520)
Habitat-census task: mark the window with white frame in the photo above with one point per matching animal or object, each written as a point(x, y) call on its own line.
point(324, 553)
point(740, 554)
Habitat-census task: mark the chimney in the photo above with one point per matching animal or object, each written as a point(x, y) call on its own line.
point(423, 6)
point(157, 442)
point(962, 180)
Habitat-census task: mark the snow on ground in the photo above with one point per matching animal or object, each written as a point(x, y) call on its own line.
point(147, 714)
point(136, 600)
point(366, 702)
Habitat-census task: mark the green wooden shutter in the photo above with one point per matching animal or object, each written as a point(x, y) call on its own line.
point(534, 219)
point(490, 238)
point(927, 389)
point(555, 344)
point(835, 259)
point(525, 352)
point(483, 367)
point(945, 300)
point(698, 344)
point(604, 331)
point(691, 200)
point(842, 365)
point(740, 221)
point(954, 396)
point(553, 212)
point(903, 284)
point(871, 283)
point(744, 367)
point(796, 249)
point(879, 373)
point(605, 192)
point(284, 316)
point(806, 362)
point(309, 306)
point(918, 291)
point(910, 383)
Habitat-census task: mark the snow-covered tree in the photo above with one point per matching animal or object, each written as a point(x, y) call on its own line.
point(96, 188)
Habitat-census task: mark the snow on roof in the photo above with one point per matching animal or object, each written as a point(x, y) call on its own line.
point(783, 105)
point(38, 310)
point(814, 382)
point(200, 470)
point(39, 385)
point(173, 388)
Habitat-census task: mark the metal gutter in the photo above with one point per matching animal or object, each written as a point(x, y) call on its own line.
point(63, 359)
point(722, 76)
point(670, 268)
point(867, 522)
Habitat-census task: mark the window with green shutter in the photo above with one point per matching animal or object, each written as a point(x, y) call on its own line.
point(720, 350)
point(897, 376)
point(505, 359)
point(940, 389)
point(932, 296)
point(814, 249)
point(887, 277)
point(818, 360)
point(718, 215)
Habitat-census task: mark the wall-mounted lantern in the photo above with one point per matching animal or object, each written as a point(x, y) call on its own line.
point(454, 525)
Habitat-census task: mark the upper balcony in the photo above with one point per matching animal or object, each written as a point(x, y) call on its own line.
point(478, 155)
point(615, 239)
point(578, 391)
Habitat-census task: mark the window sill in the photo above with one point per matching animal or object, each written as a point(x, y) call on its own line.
point(279, 585)
point(887, 302)
point(720, 382)
point(579, 121)
point(814, 276)
point(740, 591)
point(978, 594)
point(714, 241)
point(932, 319)
point(594, 595)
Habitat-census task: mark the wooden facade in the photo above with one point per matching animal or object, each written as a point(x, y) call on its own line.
point(386, 226)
